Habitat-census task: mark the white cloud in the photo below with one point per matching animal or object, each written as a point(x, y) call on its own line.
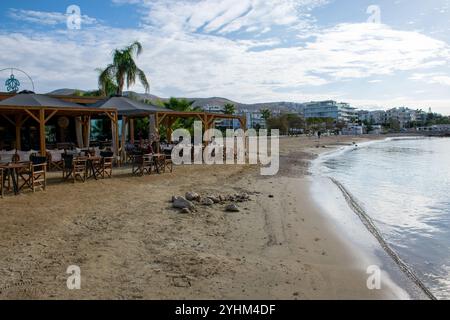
point(180, 60)
point(227, 16)
point(432, 78)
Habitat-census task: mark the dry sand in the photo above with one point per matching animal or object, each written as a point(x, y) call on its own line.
point(130, 243)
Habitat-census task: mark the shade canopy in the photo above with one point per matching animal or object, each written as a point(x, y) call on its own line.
point(128, 107)
point(37, 100)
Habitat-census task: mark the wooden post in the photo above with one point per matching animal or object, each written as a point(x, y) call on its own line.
point(116, 138)
point(169, 131)
point(158, 147)
point(42, 131)
point(18, 132)
point(86, 131)
point(207, 125)
point(122, 140)
point(132, 131)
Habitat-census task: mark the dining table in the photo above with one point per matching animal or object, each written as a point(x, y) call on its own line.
point(12, 171)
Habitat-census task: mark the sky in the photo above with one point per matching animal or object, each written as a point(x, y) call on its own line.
point(373, 54)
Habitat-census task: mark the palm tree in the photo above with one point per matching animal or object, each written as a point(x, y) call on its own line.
point(123, 70)
point(266, 114)
point(182, 105)
point(229, 108)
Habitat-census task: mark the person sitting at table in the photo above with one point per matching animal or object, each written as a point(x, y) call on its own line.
point(148, 149)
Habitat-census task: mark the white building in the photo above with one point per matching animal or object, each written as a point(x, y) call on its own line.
point(403, 116)
point(353, 130)
point(330, 109)
point(435, 128)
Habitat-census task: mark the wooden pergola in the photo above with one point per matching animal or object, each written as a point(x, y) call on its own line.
point(18, 111)
point(208, 119)
point(88, 107)
point(129, 110)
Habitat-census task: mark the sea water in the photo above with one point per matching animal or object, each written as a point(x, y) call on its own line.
point(403, 185)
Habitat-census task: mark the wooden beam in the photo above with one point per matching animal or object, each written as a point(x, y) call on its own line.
point(9, 119)
point(116, 124)
point(18, 131)
point(132, 131)
point(33, 116)
point(42, 131)
point(110, 115)
point(50, 116)
point(122, 140)
point(86, 131)
point(24, 120)
point(160, 120)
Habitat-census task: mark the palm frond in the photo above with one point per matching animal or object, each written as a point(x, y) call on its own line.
point(143, 80)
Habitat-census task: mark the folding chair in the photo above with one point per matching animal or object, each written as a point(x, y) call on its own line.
point(35, 176)
point(55, 160)
point(67, 166)
point(2, 181)
point(107, 167)
point(142, 164)
point(79, 169)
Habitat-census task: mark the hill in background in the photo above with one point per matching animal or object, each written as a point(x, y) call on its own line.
point(203, 102)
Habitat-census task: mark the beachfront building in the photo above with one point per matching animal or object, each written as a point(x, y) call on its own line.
point(435, 128)
point(378, 117)
point(330, 109)
point(364, 116)
point(254, 119)
point(353, 130)
point(373, 117)
point(403, 116)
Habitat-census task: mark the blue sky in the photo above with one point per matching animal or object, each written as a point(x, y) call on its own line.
point(394, 54)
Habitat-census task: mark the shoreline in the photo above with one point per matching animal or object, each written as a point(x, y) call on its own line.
point(413, 283)
point(130, 244)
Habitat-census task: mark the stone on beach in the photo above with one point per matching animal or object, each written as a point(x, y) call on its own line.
point(182, 203)
point(232, 208)
point(207, 202)
point(214, 198)
point(192, 196)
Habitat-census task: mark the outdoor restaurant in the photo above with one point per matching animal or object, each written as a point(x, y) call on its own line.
point(84, 138)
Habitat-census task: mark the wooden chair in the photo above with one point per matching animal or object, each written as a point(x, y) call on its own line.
point(159, 163)
point(54, 164)
point(142, 164)
point(107, 167)
point(2, 182)
point(168, 163)
point(67, 166)
point(35, 176)
point(79, 169)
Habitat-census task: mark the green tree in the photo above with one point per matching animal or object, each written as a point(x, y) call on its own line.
point(182, 105)
point(266, 114)
point(229, 108)
point(286, 123)
point(123, 71)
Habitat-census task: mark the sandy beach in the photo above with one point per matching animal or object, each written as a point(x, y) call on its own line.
point(131, 244)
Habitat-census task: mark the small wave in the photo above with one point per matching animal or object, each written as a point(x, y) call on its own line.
point(370, 225)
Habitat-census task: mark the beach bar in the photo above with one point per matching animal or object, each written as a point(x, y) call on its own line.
point(129, 110)
point(28, 109)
